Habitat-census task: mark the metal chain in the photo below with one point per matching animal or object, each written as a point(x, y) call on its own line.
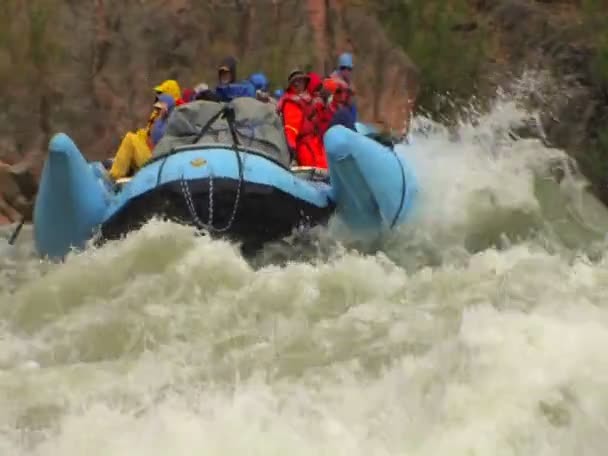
point(192, 207)
point(188, 197)
point(210, 222)
point(234, 208)
point(228, 114)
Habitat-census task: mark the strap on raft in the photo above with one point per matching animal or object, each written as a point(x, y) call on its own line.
point(312, 173)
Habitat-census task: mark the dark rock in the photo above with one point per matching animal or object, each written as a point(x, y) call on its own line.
point(548, 35)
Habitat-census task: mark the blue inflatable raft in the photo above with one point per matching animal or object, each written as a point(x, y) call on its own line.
point(224, 168)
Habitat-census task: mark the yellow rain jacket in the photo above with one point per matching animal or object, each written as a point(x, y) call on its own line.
point(170, 87)
point(134, 150)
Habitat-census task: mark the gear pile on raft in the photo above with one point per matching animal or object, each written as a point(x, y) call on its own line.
point(233, 161)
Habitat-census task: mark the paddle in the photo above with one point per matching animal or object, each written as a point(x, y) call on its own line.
point(13, 238)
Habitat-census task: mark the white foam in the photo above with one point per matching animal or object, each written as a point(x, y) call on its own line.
point(167, 343)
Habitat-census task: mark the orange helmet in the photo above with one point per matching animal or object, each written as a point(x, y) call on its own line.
point(333, 85)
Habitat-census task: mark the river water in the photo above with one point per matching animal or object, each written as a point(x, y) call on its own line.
point(479, 328)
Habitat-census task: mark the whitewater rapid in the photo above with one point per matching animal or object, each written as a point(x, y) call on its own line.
point(480, 328)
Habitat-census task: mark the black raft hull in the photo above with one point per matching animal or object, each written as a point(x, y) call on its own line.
point(263, 213)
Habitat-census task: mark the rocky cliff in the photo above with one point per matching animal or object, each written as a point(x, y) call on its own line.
point(568, 39)
point(88, 68)
point(470, 47)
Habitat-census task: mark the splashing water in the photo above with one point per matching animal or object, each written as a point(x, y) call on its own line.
point(478, 328)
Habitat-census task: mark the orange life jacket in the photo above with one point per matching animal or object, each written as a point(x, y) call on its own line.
point(309, 146)
point(306, 104)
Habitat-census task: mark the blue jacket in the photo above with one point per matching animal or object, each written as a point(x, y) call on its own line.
point(353, 110)
point(344, 117)
point(233, 89)
point(160, 124)
point(228, 92)
point(336, 74)
point(259, 81)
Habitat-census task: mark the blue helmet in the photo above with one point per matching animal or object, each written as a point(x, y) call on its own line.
point(260, 81)
point(345, 60)
point(278, 93)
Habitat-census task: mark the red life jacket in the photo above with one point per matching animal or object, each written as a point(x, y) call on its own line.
point(324, 115)
point(305, 102)
point(309, 146)
point(340, 80)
